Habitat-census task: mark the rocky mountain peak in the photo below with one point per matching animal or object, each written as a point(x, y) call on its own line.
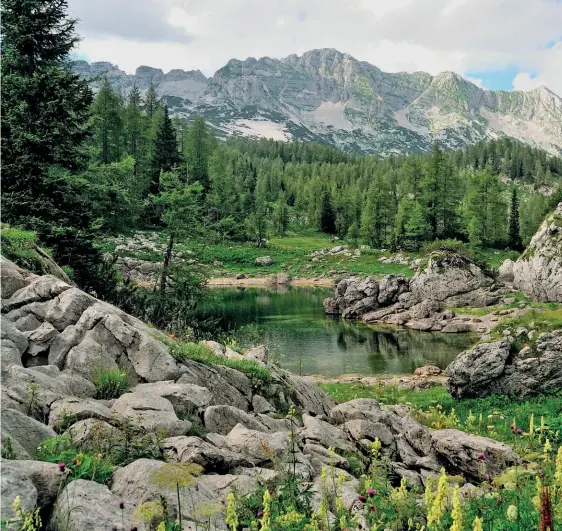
point(330, 97)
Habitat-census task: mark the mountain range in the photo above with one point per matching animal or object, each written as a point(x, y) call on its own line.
point(330, 97)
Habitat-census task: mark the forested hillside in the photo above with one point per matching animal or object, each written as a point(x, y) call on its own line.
point(77, 168)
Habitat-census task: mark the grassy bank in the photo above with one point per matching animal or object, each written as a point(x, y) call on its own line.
point(538, 417)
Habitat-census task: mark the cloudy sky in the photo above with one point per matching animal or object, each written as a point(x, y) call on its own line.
point(498, 44)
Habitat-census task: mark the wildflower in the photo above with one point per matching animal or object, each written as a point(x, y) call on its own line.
point(375, 448)
point(260, 514)
point(121, 505)
point(372, 492)
point(481, 457)
point(477, 524)
point(437, 510)
point(196, 486)
point(265, 520)
point(428, 495)
point(231, 515)
point(519, 431)
point(343, 523)
point(161, 526)
point(457, 513)
point(62, 467)
point(532, 425)
point(362, 499)
point(558, 473)
point(74, 461)
point(498, 499)
point(16, 504)
point(512, 513)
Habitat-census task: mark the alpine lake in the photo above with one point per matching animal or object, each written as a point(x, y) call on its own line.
point(290, 321)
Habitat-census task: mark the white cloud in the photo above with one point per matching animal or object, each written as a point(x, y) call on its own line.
point(429, 35)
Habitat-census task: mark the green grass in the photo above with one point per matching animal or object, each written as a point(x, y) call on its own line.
point(196, 352)
point(19, 246)
point(544, 319)
point(490, 417)
point(110, 383)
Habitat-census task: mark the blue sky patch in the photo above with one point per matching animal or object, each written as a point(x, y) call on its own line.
point(498, 79)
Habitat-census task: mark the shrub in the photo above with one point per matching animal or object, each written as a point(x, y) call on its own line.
point(110, 383)
point(87, 465)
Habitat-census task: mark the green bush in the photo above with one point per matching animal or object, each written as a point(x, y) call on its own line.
point(197, 352)
point(88, 465)
point(20, 246)
point(110, 383)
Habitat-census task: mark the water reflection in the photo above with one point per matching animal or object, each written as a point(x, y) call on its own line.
point(293, 326)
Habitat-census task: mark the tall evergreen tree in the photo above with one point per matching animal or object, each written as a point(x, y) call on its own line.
point(166, 156)
point(327, 222)
point(198, 153)
point(151, 101)
point(514, 236)
point(108, 132)
point(45, 114)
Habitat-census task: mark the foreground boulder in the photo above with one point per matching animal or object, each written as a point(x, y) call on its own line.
point(498, 368)
point(538, 272)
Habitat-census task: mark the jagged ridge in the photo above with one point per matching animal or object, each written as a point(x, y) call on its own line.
point(330, 97)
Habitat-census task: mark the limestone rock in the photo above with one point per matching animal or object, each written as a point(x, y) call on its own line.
point(492, 368)
point(264, 261)
point(472, 455)
point(35, 482)
point(505, 274)
point(324, 434)
point(74, 409)
point(152, 412)
point(12, 278)
point(25, 433)
point(90, 505)
point(259, 353)
point(538, 272)
point(185, 398)
point(221, 419)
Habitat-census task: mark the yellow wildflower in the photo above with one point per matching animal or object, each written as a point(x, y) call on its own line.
point(477, 524)
point(439, 506)
point(265, 520)
point(428, 495)
point(231, 516)
point(532, 425)
point(456, 513)
point(558, 473)
point(512, 513)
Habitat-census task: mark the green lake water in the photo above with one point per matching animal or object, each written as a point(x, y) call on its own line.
point(291, 322)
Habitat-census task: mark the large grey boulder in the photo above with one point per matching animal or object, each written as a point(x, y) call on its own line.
point(70, 410)
point(25, 433)
point(152, 412)
point(35, 482)
point(446, 275)
point(204, 453)
point(185, 398)
point(221, 419)
point(319, 432)
point(538, 272)
point(471, 455)
point(89, 505)
point(40, 289)
point(13, 344)
point(12, 278)
point(494, 368)
point(505, 273)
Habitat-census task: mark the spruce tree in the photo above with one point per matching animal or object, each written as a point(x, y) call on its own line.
point(108, 132)
point(514, 236)
point(327, 222)
point(45, 115)
point(166, 156)
point(198, 153)
point(151, 101)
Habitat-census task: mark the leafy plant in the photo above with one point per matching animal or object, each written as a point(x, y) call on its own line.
point(110, 383)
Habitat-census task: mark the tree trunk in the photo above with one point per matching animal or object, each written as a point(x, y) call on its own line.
point(166, 265)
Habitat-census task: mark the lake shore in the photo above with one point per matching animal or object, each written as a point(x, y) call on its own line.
point(267, 282)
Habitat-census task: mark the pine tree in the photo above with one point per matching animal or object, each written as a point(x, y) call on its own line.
point(134, 125)
point(166, 156)
point(514, 236)
point(198, 153)
point(45, 115)
point(151, 103)
point(108, 132)
point(327, 222)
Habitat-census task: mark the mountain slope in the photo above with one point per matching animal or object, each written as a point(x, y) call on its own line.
point(330, 97)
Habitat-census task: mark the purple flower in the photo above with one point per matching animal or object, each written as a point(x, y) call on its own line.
point(260, 514)
point(121, 505)
point(519, 431)
point(362, 499)
point(481, 457)
point(196, 486)
point(371, 492)
point(133, 529)
point(62, 467)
